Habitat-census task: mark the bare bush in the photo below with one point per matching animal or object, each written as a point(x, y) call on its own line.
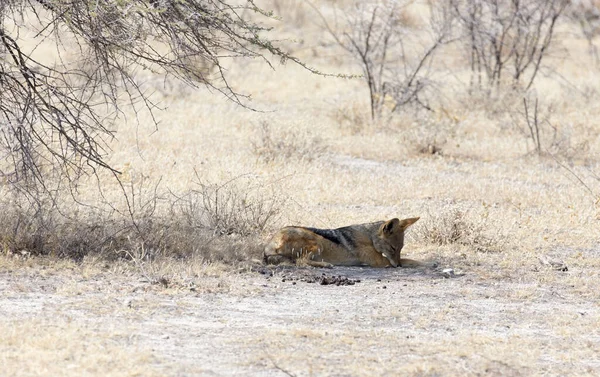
point(534, 123)
point(507, 38)
point(45, 227)
point(242, 206)
point(285, 145)
point(533, 119)
point(377, 36)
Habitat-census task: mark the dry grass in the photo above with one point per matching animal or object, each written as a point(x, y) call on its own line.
point(455, 224)
point(284, 144)
point(217, 222)
point(54, 348)
point(209, 186)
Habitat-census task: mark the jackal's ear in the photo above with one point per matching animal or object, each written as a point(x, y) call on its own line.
point(390, 227)
point(408, 222)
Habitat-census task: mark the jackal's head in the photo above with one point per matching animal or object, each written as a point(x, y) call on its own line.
point(390, 238)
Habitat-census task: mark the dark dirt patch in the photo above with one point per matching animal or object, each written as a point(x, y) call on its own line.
point(342, 275)
point(323, 279)
point(306, 275)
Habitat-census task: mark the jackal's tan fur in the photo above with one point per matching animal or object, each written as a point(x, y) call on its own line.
point(375, 244)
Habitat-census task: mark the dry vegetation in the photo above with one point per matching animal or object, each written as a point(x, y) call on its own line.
point(159, 273)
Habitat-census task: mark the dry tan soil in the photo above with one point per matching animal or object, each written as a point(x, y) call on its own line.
point(80, 321)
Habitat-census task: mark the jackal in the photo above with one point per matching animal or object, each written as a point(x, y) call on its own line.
point(375, 244)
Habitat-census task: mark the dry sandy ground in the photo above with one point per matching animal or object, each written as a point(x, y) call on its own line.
point(93, 320)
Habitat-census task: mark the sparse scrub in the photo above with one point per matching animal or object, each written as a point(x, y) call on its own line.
point(352, 117)
point(431, 134)
point(241, 206)
point(169, 274)
point(534, 120)
point(60, 112)
point(285, 145)
point(506, 38)
point(221, 222)
point(535, 125)
point(42, 225)
point(380, 38)
point(456, 224)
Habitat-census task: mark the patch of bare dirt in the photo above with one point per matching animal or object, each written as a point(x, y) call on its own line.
point(302, 322)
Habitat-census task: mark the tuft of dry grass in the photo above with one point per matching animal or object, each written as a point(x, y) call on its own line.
point(463, 225)
point(292, 12)
point(352, 117)
point(276, 144)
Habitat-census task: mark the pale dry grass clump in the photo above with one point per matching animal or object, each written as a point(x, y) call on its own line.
point(277, 144)
point(428, 134)
point(293, 13)
point(352, 117)
point(462, 225)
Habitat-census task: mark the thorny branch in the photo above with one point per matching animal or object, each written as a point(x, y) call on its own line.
point(60, 115)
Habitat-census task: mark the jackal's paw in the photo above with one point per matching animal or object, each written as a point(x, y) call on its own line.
point(317, 264)
point(322, 264)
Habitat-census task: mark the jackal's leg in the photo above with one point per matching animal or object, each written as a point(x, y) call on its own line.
point(318, 264)
point(277, 259)
point(411, 263)
point(309, 259)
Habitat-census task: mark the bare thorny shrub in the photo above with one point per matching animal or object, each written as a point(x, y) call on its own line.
point(395, 59)
point(46, 224)
point(545, 133)
point(240, 206)
point(61, 113)
point(506, 41)
point(213, 222)
point(225, 221)
point(285, 144)
point(534, 123)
